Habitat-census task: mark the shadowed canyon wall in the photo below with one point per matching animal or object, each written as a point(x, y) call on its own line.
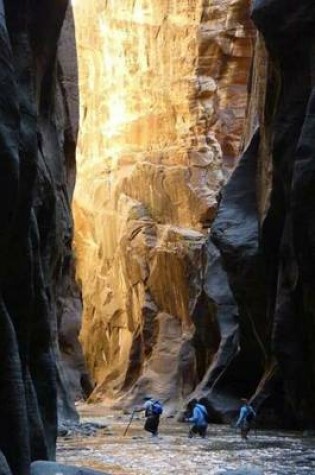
point(264, 227)
point(39, 118)
point(163, 98)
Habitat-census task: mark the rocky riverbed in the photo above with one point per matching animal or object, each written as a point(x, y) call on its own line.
point(100, 443)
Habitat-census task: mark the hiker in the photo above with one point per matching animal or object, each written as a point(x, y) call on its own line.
point(153, 409)
point(199, 419)
point(246, 417)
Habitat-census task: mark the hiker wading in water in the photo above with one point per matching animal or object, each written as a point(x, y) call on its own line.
point(246, 418)
point(199, 419)
point(152, 411)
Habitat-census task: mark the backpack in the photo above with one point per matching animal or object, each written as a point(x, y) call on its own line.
point(204, 412)
point(156, 408)
point(250, 416)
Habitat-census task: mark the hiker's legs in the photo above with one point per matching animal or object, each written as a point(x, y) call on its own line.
point(152, 424)
point(193, 430)
point(157, 422)
point(200, 430)
point(244, 431)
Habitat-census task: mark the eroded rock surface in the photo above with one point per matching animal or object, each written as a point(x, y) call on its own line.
point(164, 312)
point(163, 99)
point(37, 136)
point(74, 381)
point(264, 227)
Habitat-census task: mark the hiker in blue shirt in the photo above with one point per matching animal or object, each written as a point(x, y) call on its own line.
point(199, 419)
point(246, 417)
point(152, 411)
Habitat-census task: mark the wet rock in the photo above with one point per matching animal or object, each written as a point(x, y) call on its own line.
point(51, 468)
point(235, 232)
point(85, 429)
point(241, 471)
point(223, 312)
point(308, 433)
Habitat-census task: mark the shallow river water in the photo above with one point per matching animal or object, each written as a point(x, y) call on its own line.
point(274, 453)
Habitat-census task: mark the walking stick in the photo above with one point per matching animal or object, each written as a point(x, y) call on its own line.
point(129, 423)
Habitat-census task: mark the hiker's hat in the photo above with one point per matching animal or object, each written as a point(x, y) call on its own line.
point(147, 398)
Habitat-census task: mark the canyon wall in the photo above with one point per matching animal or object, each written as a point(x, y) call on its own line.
point(264, 226)
point(163, 98)
point(39, 118)
point(190, 289)
point(74, 380)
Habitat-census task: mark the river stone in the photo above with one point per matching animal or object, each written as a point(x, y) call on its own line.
point(52, 468)
point(242, 471)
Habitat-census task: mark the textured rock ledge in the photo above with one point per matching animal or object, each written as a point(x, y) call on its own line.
point(164, 93)
point(161, 312)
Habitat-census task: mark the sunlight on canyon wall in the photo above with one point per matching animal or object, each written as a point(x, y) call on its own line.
point(163, 100)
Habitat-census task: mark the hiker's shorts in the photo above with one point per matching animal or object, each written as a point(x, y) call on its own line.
point(152, 423)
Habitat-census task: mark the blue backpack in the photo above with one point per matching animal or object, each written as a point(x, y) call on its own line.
point(250, 414)
point(204, 412)
point(157, 408)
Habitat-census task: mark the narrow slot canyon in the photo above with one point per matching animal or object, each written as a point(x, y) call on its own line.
point(157, 200)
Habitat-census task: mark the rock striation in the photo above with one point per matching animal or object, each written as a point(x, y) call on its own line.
point(163, 100)
point(189, 290)
point(264, 227)
point(74, 380)
point(39, 118)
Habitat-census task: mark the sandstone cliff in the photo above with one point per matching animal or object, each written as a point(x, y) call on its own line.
point(174, 303)
point(163, 99)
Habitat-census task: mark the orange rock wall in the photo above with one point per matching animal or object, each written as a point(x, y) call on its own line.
point(163, 101)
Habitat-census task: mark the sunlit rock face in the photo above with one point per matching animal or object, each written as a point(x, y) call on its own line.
point(163, 99)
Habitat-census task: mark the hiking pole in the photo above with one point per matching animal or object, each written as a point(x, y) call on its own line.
point(129, 423)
